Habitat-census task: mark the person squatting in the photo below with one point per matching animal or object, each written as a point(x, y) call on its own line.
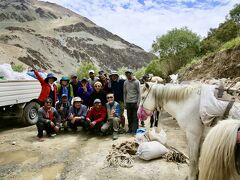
point(96, 104)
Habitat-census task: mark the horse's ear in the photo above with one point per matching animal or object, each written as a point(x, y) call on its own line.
point(147, 85)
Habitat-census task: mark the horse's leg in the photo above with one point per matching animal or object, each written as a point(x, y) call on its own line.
point(152, 120)
point(156, 118)
point(193, 140)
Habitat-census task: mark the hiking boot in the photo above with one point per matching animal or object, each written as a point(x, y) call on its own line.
point(115, 136)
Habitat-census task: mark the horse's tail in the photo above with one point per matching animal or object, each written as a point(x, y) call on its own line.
point(217, 160)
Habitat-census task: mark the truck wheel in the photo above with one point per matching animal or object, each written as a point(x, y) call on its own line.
point(30, 113)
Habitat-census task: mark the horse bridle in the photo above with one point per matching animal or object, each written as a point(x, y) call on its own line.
point(144, 101)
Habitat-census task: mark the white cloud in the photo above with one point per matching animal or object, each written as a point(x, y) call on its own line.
point(140, 24)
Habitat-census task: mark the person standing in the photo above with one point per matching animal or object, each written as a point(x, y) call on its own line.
point(65, 88)
point(75, 84)
point(49, 88)
point(84, 91)
point(131, 92)
point(92, 77)
point(48, 119)
point(98, 93)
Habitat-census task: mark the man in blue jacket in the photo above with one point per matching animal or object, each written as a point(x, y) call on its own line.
point(113, 116)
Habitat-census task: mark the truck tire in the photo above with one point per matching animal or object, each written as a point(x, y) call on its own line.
point(30, 113)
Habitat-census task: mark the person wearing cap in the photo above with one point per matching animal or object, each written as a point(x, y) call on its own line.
point(75, 84)
point(49, 88)
point(98, 93)
point(113, 116)
point(65, 88)
point(92, 77)
point(63, 108)
point(96, 117)
point(48, 119)
point(77, 114)
point(131, 94)
point(84, 91)
point(116, 87)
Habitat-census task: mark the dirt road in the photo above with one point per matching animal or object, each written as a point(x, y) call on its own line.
point(80, 156)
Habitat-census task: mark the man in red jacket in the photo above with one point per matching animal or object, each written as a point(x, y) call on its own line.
point(96, 116)
point(49, 89)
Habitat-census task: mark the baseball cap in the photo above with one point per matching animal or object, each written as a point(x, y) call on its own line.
point(97, 101)
point(91, 71)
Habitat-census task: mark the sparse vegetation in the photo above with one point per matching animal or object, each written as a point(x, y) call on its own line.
point(17, 68)
point(231, 44)
point(84, 67)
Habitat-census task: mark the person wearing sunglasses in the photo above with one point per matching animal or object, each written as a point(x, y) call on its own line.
point(48, 120)
point(113, 116)
point(98, 93)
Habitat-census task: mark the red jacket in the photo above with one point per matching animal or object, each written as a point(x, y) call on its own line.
point(97, 115)
point(45, 88)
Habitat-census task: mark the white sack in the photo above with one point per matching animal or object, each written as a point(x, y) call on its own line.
point(151, 150)
point(157, 135)
point(7, 72)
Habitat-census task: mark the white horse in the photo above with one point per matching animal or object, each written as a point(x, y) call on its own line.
point(220, 154)
point(183, 103)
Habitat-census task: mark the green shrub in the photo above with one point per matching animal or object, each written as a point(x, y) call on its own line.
point(84, 67)
point(17, 68)
point(231, 44)
point(139, 73)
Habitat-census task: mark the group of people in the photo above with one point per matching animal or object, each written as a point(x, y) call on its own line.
point(96, 103)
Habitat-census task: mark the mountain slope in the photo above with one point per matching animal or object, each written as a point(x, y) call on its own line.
point(50, 37)
point(223, 64)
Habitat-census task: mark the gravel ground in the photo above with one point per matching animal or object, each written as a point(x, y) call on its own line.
point(81, 156)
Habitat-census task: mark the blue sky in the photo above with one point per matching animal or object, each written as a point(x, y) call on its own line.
point(141, 21)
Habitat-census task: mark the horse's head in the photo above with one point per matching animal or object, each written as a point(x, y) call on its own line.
point(147, 104)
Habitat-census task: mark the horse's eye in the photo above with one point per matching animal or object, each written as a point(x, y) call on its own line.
point(143, 98)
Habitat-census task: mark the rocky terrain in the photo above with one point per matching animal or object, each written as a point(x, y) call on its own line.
point(81, 157)
point(50, 37)
point(223, 64)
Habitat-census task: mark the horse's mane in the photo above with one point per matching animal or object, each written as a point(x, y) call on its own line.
point(173, 92)
point(217, 160)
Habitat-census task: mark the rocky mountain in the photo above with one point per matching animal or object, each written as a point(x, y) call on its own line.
point(223, 64)
point(47, 36)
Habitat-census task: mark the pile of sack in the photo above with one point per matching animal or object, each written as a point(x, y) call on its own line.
point(152, 145)
point(7, 73)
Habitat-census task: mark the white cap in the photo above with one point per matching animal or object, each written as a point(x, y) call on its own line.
point(91, 71)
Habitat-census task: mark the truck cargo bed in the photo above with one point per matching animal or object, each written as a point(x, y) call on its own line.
point(18, 91)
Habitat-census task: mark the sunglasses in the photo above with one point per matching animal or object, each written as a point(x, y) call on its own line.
point(97, 86)
point(109, 97)
point(49, 102)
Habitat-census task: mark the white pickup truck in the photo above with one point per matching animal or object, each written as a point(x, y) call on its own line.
point(18, 99)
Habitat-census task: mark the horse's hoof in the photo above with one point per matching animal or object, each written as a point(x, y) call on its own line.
point(186, 178)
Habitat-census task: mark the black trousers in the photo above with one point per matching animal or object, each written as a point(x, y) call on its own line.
point(132, 117)
point(80, 122)
point(95, 129)
point(41, 126)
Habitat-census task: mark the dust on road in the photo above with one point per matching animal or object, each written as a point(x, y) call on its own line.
point(80, 156)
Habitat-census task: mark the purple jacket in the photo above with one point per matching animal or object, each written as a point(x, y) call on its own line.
point(85, 96)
